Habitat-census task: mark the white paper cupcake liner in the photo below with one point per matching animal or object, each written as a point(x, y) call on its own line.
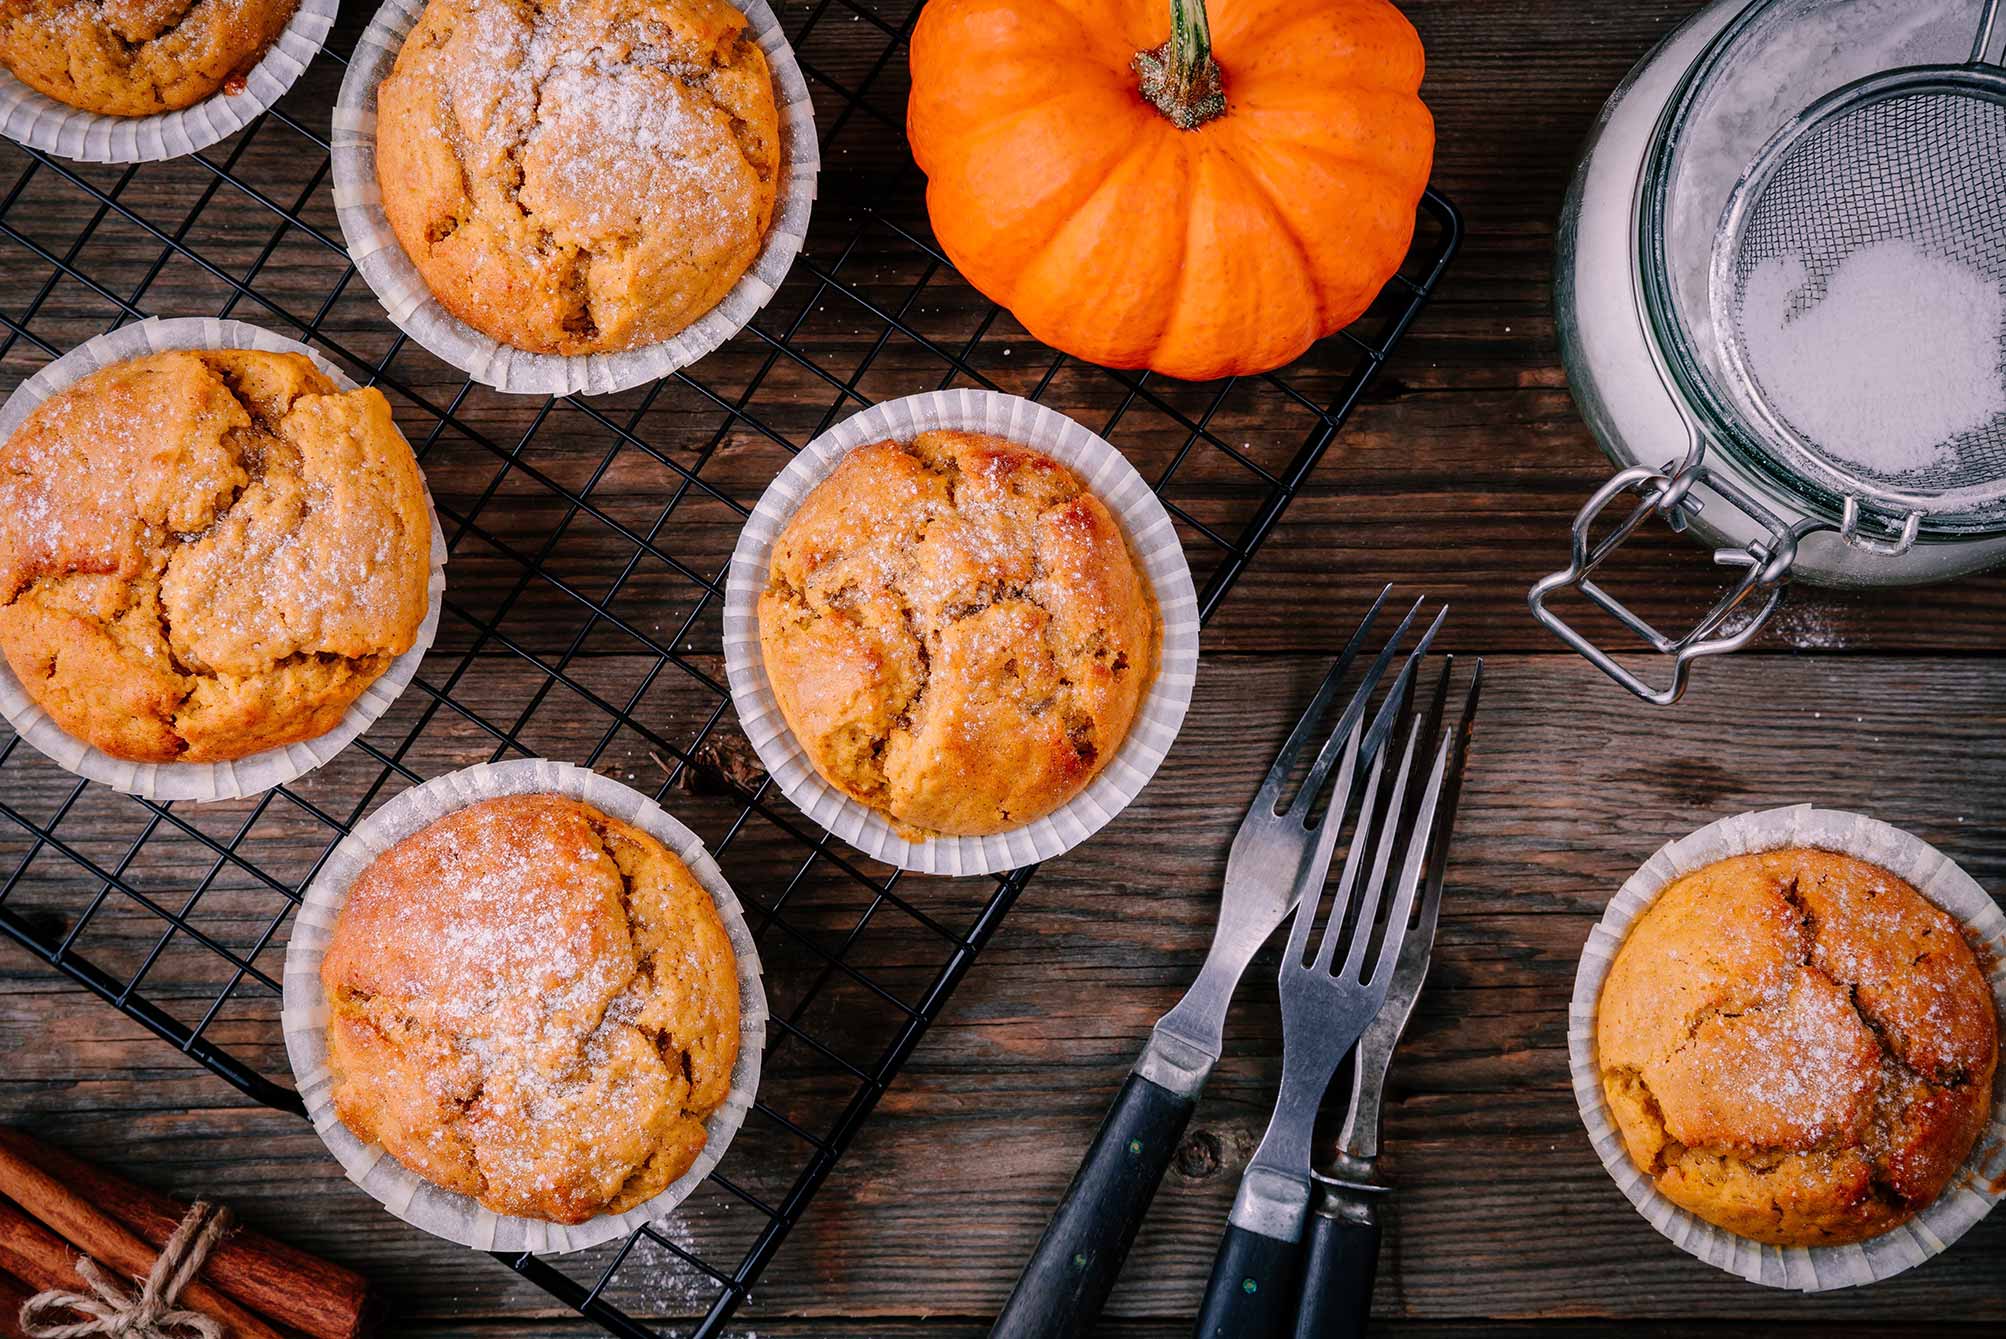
point(258, 772)
point(1971, 1194)
point(303, 1010)
point(54, 127)
point(1151, 535)
point(358, 203)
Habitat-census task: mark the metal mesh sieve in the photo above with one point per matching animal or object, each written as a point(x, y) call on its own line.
point(1917, 156)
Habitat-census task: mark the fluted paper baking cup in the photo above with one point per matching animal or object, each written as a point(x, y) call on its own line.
point(303, 1011)
point(1978, 1185)
point(358, 203)
point(1151, 536)
point(40, 122)
point(257, 772)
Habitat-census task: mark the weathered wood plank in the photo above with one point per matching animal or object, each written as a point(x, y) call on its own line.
point(951, 1327)
point(1471, 436)
point(978, 1138)
point(1458, 475)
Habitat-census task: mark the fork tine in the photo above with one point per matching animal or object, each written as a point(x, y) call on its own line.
point(1431, 723)
point(1278, 772)
point(1417, 855)
point(1387, 837)
point(1397, 701)
point(1439, 703)
point(1333, 926)
point(1316, 872)
point(1427, 905)
point(1382, 723)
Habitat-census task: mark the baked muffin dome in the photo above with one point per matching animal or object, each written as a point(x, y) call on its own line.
point(579, 176)
point(1797, 1046)
point(208, 553)
point(956, 632)
point(136, 57)
point(533, 1004)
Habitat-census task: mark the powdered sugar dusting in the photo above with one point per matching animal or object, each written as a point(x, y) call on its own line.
point(615, 160)
point(521, 963)
point(1810, 623)
point(84, 488)
point(1797, 1070)
point(1896, 354)
point(618, 147)
point(533, 999)
point(981, 602)
point(1828, 996)
point(521, 1011)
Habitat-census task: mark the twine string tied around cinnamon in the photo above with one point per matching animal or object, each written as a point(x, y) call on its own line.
point(118, 1310)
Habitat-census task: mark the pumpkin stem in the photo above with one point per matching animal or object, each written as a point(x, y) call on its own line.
point(1180, 78)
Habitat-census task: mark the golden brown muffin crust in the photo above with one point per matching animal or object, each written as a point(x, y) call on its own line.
point(1797, 1046)
point(579, 176)
point(205, 554)
point(534, 1004)
point(956, 632)
point(136, 57)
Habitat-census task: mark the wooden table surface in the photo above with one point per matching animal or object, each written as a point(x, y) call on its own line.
point(1458, 477)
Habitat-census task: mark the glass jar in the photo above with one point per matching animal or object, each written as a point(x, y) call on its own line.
point(1634, 246)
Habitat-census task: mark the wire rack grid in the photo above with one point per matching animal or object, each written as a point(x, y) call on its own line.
point(589, 539)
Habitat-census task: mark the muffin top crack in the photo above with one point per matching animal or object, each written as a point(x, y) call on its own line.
point(957, 632)
point(1797, 1046)
point(533, 1004)
point(136, 57)
point(208, 553)
point(579, 176)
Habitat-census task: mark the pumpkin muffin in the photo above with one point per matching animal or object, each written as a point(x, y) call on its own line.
point(956, 632)
point(533, 1004)
point(208, 553)
point(1798, 1047)
point(579, 176)
point(137, 57)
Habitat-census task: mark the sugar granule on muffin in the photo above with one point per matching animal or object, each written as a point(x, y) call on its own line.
point(208, 553)
point(579, 176)
point(1797, 1046)
point(957, 632)
point(533, 1004)
point(137, 57)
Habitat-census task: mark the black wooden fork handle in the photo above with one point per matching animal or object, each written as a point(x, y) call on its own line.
point(1072, 1271)
point(1340, 1257)
point(1252, 1288)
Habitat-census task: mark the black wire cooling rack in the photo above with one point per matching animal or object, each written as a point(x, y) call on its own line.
point(589, 539)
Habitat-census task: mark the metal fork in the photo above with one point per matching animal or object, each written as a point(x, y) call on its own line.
point(1327, 1002)
point(1074, 1266)
point(1341, 1241)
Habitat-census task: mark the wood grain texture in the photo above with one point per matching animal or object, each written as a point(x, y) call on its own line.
point(272, 1279)
point(1502, 1209)
point(1458, 474)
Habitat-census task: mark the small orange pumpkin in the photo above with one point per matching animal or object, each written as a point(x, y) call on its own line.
point(1137, 203)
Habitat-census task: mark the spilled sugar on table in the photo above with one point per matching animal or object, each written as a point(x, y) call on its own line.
point(1458, 471)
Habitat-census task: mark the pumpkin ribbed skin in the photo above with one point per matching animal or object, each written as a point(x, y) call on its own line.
point(1065, 196)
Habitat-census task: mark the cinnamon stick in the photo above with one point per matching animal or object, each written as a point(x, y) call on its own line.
point(14, 1294)
point(32, 1250)
point(35, 1255)
point(303, 1291)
